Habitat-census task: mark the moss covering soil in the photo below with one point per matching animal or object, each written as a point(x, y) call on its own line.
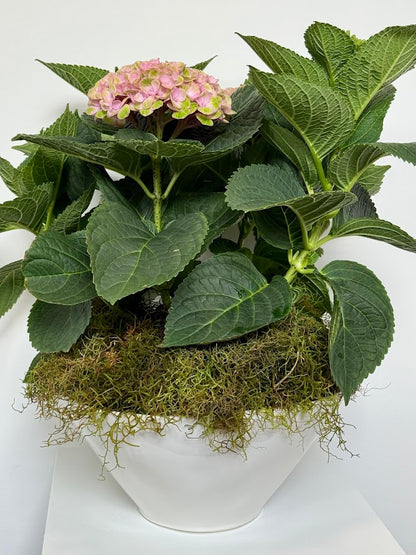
point(275, 374)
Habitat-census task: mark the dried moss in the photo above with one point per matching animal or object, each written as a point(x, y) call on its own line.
point(117, 366)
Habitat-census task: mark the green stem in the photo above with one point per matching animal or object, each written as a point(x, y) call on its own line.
point(157, 177)
point(298, 265)
point(49, 214)
point(157, 193)
point(170, 185)
point(326, 185)
point(145, 189)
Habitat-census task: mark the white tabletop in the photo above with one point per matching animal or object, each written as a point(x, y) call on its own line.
point(315, 512)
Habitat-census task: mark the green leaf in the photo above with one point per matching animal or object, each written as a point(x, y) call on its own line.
point(128, 255)
point(329, 46)
point(370, 124)
point(110, 154)
point(248, 105)
point(319, 114)
point(362, 323)
point(282, 60)
point(27, 211)
point(11, 285)
point(108, 188)
point(149, 144)
point(218, 214)
point(280, 227)
point(372, 178)
point(69, 220)
point(347, 167)
point(294, 149)
point(66, 125)
point(363, 208)
point(202, 65)
point(8, 174)
point(262, 186)
point(53, 327)
point(224, 297)
point(57, 269)
point(43, 165)
point(82, 78)
point(380, 230)
point(378, 62)
point(99, 126)
point(404, 151)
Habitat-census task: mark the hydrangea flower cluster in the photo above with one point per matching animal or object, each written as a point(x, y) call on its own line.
point(145, 87)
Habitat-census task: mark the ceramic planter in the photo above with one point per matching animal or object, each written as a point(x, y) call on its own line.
point(177, 481)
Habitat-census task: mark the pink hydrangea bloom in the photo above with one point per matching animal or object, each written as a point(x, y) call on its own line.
point(145, 87)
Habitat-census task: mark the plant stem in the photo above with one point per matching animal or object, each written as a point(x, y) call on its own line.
point(326, 185)
point(157, 178)
point(157, 193)
point(145, 189)
point(49, 214)
point(170, 185)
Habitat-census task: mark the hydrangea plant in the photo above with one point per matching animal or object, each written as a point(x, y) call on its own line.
point(288, 159)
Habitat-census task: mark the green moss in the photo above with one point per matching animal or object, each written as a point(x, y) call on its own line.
point(117, 366)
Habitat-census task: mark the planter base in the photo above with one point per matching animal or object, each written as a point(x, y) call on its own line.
point(178, 482)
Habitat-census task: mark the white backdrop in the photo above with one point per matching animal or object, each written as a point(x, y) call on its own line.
point(106, 34)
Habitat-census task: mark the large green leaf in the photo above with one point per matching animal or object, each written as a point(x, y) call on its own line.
point(294, 149)
point(110, 154)
point(262, 186)
point(378, 62)
point(380, 230)
point(53, 328)
point(82, 78)
point(329, 46)
point(282, 60)
point(346, 168)
point(218, 214)
point(128, 255)
point(57, 269)
point(224, 297)
point(319, 114)
point(27, 211)
point(362, 323)
point(370, 124)
point(11, 285)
